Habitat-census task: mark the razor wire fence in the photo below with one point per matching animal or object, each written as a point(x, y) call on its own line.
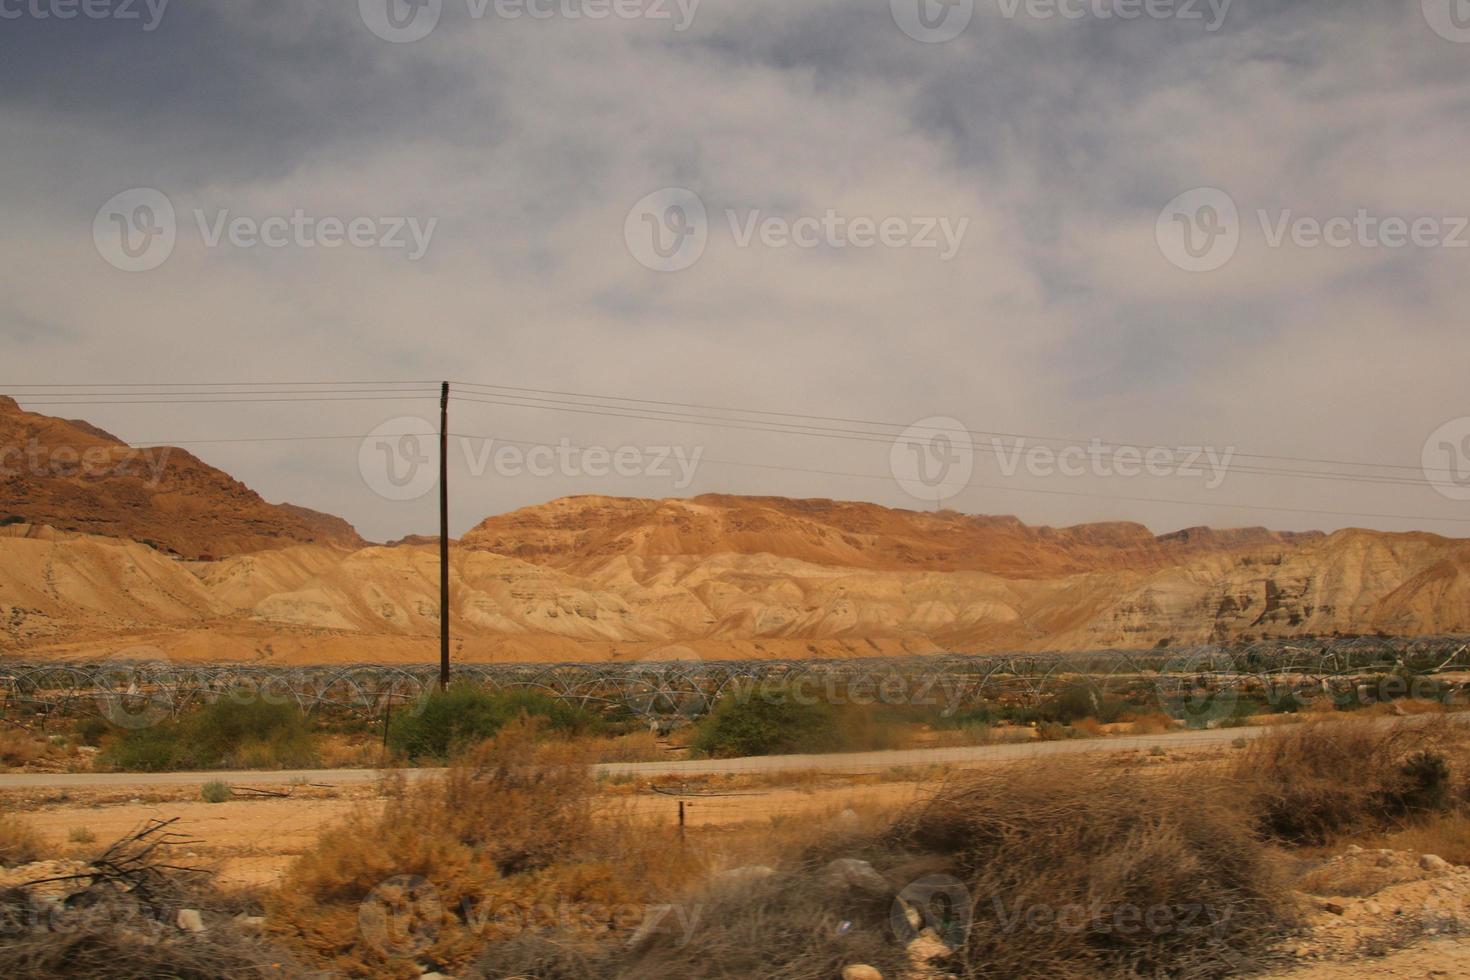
point(1202, 678)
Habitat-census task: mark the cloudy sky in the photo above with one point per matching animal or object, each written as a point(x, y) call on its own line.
point(864, 210)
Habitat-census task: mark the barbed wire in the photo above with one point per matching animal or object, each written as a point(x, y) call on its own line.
point(139, 692)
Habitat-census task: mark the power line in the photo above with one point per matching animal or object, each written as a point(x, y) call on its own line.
point(984, 486)
point(853, 435)
point(904, 425)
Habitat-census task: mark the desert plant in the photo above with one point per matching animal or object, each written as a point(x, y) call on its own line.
point(19, 843)
point(215, 791)
point(448, 721)
point(81, 835)
point(1063, 865)
point(503, 842)
point(1312, 783)
point(767, 722)
point(231, 732)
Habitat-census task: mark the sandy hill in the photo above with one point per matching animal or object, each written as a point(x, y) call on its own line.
point(574, 530)
point(74, 476)
point(64, 594)
point(93, 535)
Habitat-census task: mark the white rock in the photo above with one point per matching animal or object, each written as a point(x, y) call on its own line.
point(1433, 862)
point(861, 971)
point(190, 920)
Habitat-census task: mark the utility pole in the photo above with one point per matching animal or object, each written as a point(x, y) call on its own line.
point(444, 537)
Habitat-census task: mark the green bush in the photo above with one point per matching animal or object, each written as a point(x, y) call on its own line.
point(772, 722)
point(1082, 700)
point(229, 733)
point(92, 729)
point(444, 722)
point(215, 791)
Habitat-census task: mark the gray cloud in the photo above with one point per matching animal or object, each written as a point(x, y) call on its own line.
point(529, 142)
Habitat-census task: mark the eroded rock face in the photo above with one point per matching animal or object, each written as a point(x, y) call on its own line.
point(74, 476)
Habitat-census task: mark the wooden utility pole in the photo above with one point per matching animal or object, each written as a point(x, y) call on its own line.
point(444, 537)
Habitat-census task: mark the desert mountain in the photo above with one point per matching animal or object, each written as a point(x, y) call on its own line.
point(105, 550)
point(74, 476)
point(66, 594)
point(577, 531)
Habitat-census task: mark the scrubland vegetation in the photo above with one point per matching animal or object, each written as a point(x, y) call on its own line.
point(511, 865)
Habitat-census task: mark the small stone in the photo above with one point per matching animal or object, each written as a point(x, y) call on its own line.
point(1354, 849)
point(860, 971)
point(927, 948)
point(1334, 908)
point(1433, 862)
point(190, 920)
point(746, 875)
point(1372, 907)
point(253, 923)
point(855, 875)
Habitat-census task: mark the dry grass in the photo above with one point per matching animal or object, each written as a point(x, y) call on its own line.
point(19, 843)
point(19, 748)
point(1080, 872)
point(503, 843)
point(1444, 834)
point(1313, 783)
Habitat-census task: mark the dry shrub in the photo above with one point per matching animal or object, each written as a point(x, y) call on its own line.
point(19, 842)
point(1445, 834)
point(1079, 872)
point(639, 746)
point(500, 843)
point(19, 748)
point(789, 927)
point(1312, 783)
point(1153, 723)
point(115, 941)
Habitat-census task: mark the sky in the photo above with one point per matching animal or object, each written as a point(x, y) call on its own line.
point(1234, 230)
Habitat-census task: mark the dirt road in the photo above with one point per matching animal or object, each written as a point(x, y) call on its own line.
point(846, 762)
